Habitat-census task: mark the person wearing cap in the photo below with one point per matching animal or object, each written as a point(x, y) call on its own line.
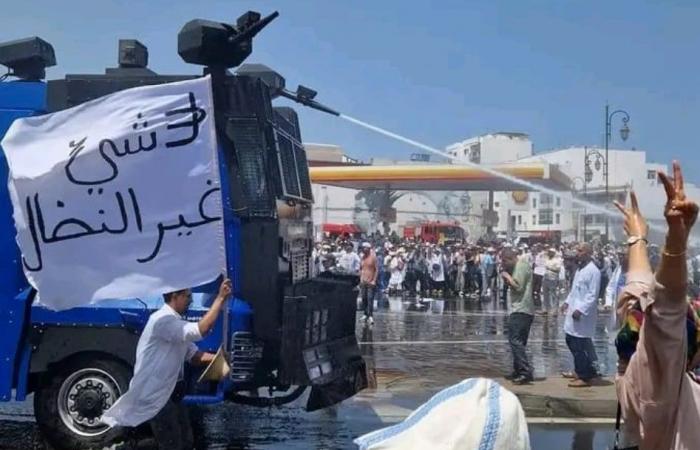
point(368, 282)
point(658, 348)
point(157, 388)
point(550, 282)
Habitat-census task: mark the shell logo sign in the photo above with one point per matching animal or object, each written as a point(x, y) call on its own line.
point(519, 197)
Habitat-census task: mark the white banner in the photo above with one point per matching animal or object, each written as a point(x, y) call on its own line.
point(119, 197)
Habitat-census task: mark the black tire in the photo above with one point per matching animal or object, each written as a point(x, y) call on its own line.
point(60, 430)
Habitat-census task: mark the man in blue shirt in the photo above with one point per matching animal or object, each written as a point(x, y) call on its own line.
point(581, 309)
point(488, 270)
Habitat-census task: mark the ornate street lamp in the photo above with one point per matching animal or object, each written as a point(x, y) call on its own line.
point(624, 134)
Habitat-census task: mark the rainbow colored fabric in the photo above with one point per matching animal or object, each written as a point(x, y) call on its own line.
point(628, 336)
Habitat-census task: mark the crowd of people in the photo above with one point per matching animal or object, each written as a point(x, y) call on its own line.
point(412, 268)
point(652, 293)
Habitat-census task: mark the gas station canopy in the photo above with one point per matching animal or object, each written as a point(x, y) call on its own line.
point(444, 177)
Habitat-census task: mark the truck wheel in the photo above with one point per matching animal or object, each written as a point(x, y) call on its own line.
point(68, 408)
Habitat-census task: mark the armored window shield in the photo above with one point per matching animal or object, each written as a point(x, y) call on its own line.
point(288, 166)
point(291, 156)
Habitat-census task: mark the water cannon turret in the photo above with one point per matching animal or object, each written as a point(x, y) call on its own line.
point(277, 85)
point(27, 59)
point(221, 45)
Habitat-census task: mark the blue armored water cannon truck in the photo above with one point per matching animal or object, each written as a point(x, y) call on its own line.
point(284, 329)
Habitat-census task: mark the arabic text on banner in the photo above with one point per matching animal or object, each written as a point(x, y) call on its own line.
point(118, 197)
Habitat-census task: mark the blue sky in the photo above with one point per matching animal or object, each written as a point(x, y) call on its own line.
point(437, 71)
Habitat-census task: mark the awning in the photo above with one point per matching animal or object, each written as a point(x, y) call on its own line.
point(338, 228)
point(442, 177)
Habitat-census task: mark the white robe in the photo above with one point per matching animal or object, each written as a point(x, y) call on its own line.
point(164, 346)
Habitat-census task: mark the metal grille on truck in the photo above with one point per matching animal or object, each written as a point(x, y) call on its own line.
point(244, 355)
point(300, 267)
point(250, 150)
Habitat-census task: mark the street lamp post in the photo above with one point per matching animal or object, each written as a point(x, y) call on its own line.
point(594, 157)
point(574, 191)
point(624, 134)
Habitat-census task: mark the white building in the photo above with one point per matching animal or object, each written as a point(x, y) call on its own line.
point(535, 213)
point(493, 148)
point(629, 169)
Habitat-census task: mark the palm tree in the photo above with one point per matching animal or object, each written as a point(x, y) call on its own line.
point(378, 200)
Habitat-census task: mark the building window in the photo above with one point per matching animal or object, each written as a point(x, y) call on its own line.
point(545, 216)
point(496, 204)
point(534, 202)
point(475, 153)
point(558, 202)
point(557, 219)
point(651, 174)
point(546, 200)
point(520, 219)
point(534, 219)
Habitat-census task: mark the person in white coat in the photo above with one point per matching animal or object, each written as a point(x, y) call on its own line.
point(396, 266)
point(612, 291)
point(581, 308)
point(349, 261)
point(157, 387)
point(437, 272)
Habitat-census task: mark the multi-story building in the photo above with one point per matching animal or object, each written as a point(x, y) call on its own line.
point(538, 213)
point(628, 169)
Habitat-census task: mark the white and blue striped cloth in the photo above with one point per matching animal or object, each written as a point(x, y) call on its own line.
point(476, 414)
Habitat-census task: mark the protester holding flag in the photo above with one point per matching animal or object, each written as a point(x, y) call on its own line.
point(157, 387)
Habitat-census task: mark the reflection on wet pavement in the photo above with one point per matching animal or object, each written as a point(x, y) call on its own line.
point(436, 342)
point(446, 341)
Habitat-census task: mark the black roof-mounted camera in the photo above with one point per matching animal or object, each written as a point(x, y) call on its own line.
point(27, 58)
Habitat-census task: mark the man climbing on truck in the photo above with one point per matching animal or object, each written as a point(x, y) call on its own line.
point(157, 388)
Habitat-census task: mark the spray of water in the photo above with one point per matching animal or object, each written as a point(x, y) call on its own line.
point(497, 173)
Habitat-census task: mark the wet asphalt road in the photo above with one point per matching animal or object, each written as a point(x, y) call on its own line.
point(438, 342)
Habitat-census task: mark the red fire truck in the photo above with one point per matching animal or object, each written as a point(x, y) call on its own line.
point(436, 232)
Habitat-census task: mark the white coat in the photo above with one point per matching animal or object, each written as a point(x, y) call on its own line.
point(583, 297)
